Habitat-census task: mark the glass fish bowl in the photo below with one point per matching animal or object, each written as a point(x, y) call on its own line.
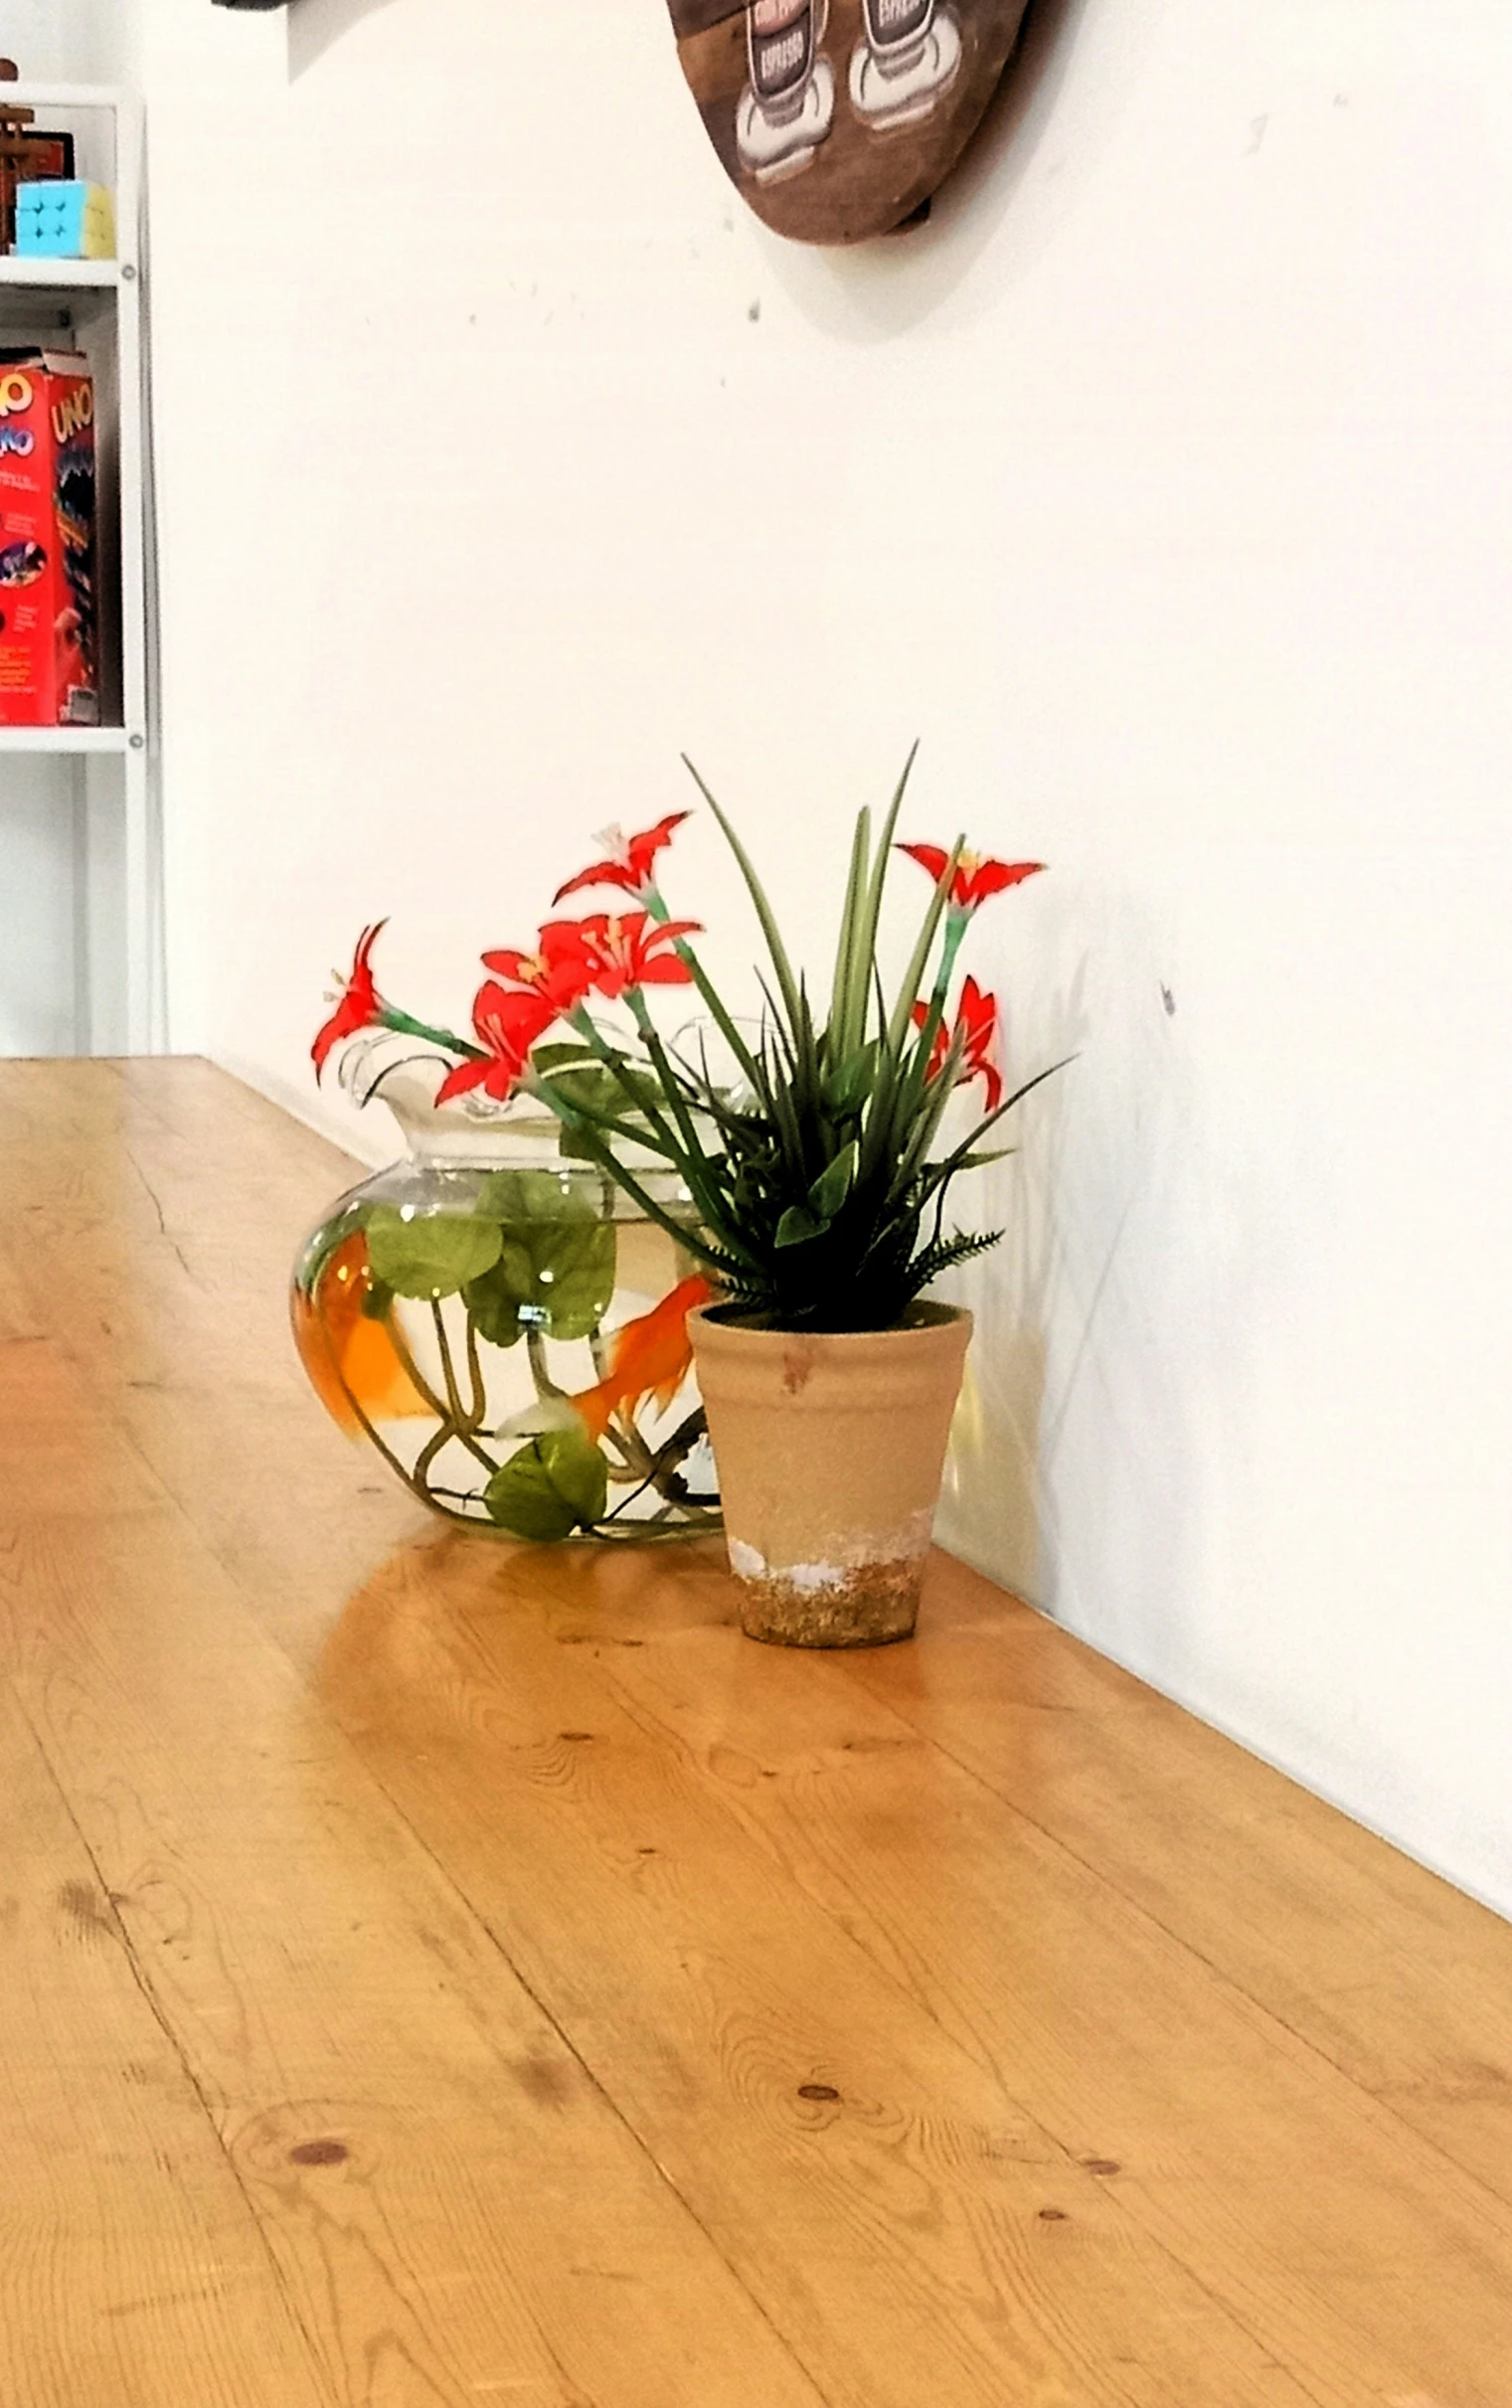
point(505, 1327)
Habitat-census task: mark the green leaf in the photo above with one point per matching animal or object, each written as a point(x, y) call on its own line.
point(855, 888)
point(833, 1184)
point(553, 1057)
point(902, 1009)
point(995, 1154)
point(556, 1484)
point(758, 893)
point(378, 1301)
point(432, 1254)
point(553, 1275)
point(947, 1253)
point(531, 1195)
point(796, 1225)
point(494, 1302)
point(863, 941)
point(854, 1080)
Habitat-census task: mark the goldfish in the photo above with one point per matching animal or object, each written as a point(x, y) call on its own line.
point(346, 1354)
point(648, 1357)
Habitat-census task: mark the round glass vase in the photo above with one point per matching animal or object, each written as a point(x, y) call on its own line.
point(506, 1327)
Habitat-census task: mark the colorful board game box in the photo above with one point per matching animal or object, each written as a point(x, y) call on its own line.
point(49, 618)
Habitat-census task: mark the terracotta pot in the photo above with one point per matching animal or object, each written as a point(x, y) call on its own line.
point(830, 1451)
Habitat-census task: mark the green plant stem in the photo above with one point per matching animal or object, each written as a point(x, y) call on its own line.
point(651, 897)
point(678, 1230)
point(695, 1166)
point(475, 1374)
point(749, 1063)
point(411, 1367)
point(448, 1371)
point(908, 993)
point(461, 1424)
point(405, 1026)
point(546, 1387)
point(412, 1479)
point(697, 1521)
point(422, 1493)
point(433, 1446)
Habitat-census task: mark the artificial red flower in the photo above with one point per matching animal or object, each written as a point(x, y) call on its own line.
point(508, 1023)
point(975, 876)
point(359, 1005)
point(631, 949)
point(632, 862)
point(977, 1021)
point(562, 968)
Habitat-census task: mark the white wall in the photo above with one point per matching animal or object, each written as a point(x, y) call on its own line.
point(70, 41)
point(1161, 483)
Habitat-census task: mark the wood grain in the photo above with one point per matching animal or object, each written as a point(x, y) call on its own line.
point(128, 2244)
point(552, 1994)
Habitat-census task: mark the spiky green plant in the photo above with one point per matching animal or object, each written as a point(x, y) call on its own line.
point(821, 1197)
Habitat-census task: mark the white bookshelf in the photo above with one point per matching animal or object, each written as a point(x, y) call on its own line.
point(105, 778)
point(59, 275)
point(64, 741)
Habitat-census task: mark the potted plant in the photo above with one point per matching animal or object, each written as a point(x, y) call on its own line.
point(800, 1168)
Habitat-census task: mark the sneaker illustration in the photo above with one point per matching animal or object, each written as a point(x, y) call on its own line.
point(788, 104)
point(906, 61)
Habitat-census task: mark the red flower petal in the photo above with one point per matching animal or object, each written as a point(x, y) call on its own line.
point(509, 1020)
point(602, 872)
point(930, 857)
point(644, 848)
point(360, 1005)
point(991, 877)
point(458, 1080)
point(635, 871)
point(978, 1012)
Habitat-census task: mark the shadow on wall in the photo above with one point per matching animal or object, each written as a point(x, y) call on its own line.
point(313, 25)
point(994, 1506)
point(1079, 1464)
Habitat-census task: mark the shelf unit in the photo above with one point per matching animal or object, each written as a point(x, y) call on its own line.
point(61, 276)
point(65, 740)
point(105, 778)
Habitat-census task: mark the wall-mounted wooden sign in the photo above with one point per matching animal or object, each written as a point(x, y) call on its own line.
point(837, 118)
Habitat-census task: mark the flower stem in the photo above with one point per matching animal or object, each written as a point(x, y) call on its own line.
point(461, 1424)
point(404, 1026)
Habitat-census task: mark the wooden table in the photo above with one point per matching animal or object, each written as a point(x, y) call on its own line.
point(434, 1971)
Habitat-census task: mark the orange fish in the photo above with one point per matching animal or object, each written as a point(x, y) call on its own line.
point(648, 1357)
point(348, 1355)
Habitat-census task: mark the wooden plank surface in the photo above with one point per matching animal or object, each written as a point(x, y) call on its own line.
point(432, 1970)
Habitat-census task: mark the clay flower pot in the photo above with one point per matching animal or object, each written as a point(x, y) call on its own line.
point(830, 1451)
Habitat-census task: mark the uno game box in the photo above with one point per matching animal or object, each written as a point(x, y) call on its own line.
point(48, 620)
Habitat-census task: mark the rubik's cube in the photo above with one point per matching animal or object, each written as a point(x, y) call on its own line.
point(57, 221)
